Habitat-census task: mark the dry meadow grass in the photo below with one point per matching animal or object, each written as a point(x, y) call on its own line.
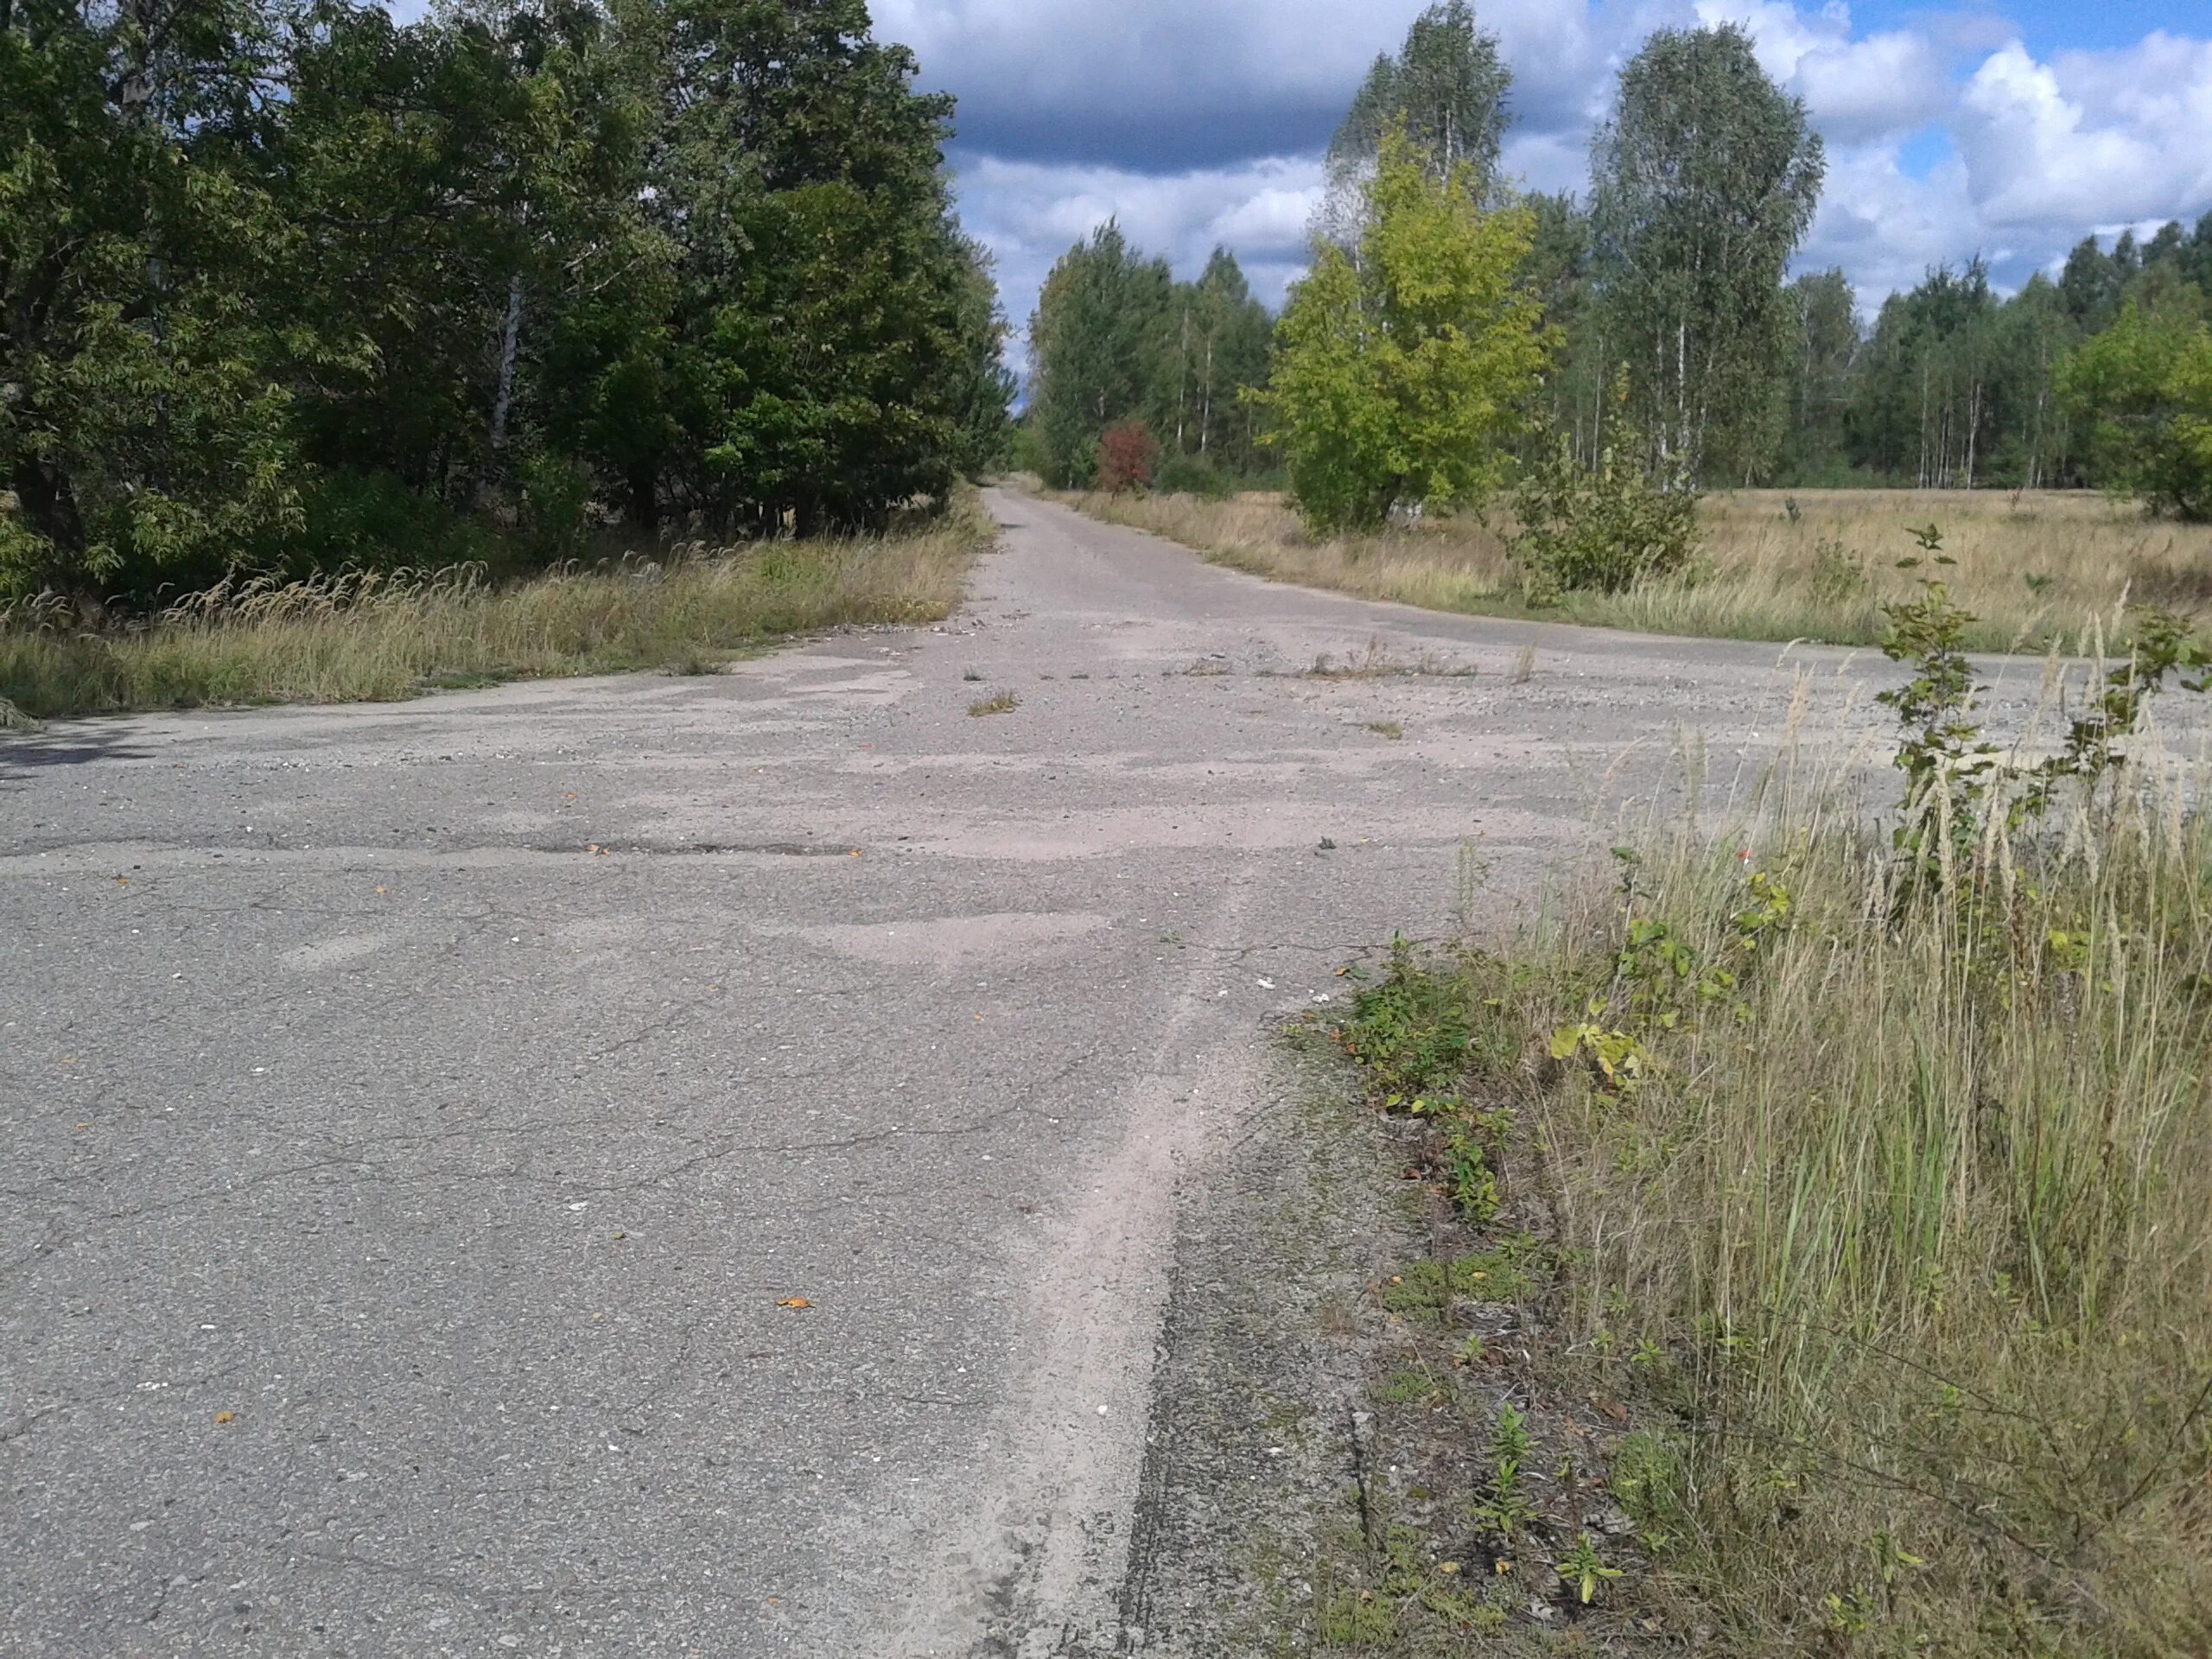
point(1882, 1204)
point(361, 637)
point(2034, 569)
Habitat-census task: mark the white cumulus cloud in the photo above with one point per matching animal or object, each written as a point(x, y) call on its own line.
point(2089, 139)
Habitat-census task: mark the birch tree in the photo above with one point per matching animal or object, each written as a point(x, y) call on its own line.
point(1446, 91)
point(1705, 180)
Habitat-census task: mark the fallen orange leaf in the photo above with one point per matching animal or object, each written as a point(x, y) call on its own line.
point(227, 1417)
point(794, 1301)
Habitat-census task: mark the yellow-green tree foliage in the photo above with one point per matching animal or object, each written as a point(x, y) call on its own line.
point(1401, 371)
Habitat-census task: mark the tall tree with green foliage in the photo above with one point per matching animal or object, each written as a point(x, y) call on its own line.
point(2143, 389)
point(1400, 376)
point(136, 246)
point(463, 187)
point(825, 298)
point(1221, 345)
point(1705, 180)
point(1445, 91)
point(1100, 344)
point(1579, 385)
point(2031, 438)
point(287, 285)
point(1824, 343)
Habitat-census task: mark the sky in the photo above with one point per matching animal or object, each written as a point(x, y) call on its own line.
point(2006, 127)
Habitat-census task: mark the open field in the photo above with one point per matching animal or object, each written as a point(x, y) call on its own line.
point(367, 638)
point(2033, 569)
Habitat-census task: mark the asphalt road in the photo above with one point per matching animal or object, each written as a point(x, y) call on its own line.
point(417, 1121)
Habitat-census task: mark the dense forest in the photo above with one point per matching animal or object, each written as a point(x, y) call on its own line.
point(289, 286)
point(1116, 339)
point(1673, 316)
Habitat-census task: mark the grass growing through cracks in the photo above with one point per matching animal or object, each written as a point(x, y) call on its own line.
point(377, 637)
point(1883, 1187)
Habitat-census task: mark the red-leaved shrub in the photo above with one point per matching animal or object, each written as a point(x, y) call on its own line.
point(1127, 455)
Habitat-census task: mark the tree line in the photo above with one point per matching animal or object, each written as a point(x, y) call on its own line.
point(287, 285)
point(1116, 339)
point(1667, 327)
point(1954, 387)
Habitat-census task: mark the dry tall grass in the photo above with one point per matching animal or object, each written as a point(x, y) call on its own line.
point(1901, 1219)
point(2031, 568)
point(370, 637)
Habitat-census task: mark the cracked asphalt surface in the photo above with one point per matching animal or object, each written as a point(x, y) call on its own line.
point(419, 1118)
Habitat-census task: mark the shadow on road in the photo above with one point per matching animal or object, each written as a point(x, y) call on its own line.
point(23, 753)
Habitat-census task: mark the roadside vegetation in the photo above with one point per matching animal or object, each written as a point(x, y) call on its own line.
point(1855, 1175)
point(375, 636)
point(2035, 569)
point(336, 347)
point(1481, 398)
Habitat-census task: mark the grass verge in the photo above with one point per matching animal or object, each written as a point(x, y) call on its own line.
point(1815, 565)
point(1883, 1210)
point(363, 638)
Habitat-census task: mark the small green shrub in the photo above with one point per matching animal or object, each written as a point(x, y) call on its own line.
point(1838, 574)
point(1410, 1030)
point(556, 501)
point(1602, 530)
point(1193, 475)
point(366, 521)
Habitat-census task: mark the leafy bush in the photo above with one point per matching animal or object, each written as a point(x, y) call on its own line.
point(1194, 476)
point(2145, 388)
point(1838, 574)
point(1126, 458)
point(368, 521)
point(557, 500)
point(1605, 530)
point(1026, 451)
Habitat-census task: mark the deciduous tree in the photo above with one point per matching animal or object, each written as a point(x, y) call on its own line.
point(1400, 376)
point(2144, 390)
point(1705, 180)
point(1445, 91)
